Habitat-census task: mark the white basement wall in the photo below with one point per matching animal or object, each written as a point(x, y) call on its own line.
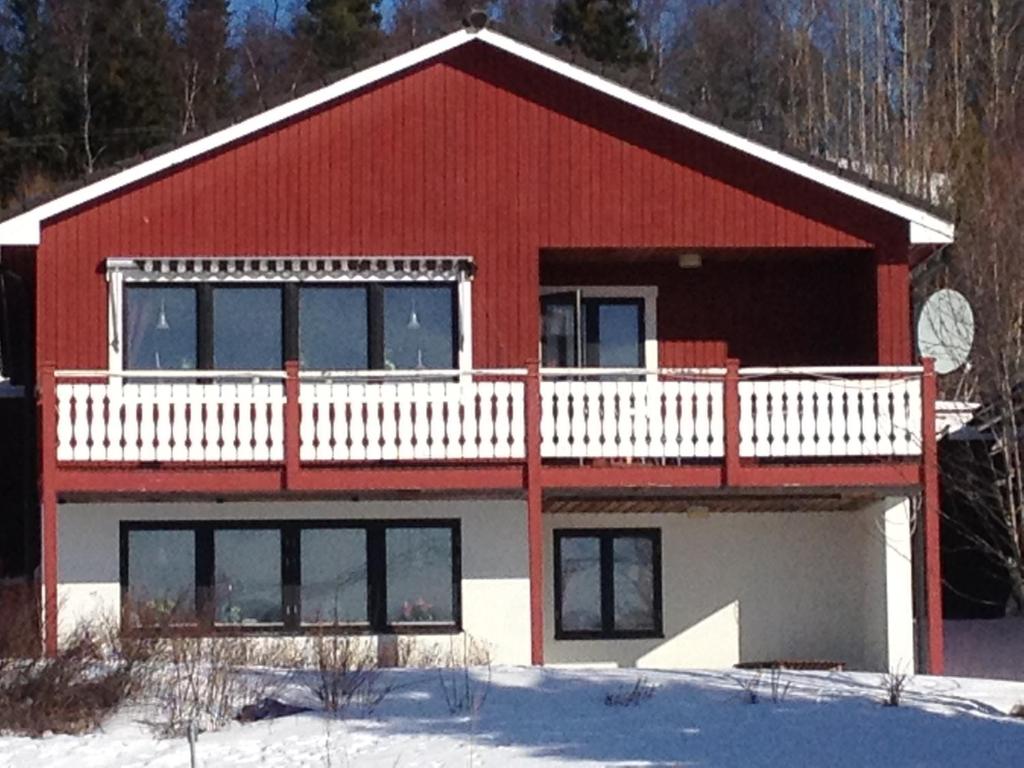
point(736, 586)
point(495, 584)
point(762, 586)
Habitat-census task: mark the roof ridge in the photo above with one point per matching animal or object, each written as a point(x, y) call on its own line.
point(23, 227)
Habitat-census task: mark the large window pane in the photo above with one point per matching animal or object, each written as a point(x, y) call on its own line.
point(634, 583)
point(247, 328)
point(333, 328)
point(558, 331)
point(619, 338)
point(159, 327)
point(333, 575)
point(161, 576)
point(419, 575)
point(419, 326)
point(581, 584)
point(247, 576)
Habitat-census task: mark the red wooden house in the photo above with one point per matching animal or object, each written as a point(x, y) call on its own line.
point(475, 340)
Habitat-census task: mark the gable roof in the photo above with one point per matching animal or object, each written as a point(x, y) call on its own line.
point(924, 227)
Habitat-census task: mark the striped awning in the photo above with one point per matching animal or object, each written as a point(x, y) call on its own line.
point(285, 269)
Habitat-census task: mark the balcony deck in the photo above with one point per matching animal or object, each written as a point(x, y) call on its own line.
point(597, 427)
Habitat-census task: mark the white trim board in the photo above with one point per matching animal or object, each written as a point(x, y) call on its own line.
point(24, 229)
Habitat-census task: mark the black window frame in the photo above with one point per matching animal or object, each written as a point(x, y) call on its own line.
point(291, 570)
point(606, 538)
point(290, 319)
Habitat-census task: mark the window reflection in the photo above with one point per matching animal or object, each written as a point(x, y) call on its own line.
point(619, 335)
point(419, 575)
point(333, 575)
point(419, 326)
point(247, 576)
point(159, 327)
point(161, 576)
point(333, 328)
point(634, 583)
point(581, 584)
point(247, 328)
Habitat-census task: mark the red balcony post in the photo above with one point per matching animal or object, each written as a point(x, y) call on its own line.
point(534, 508)
point(731, 412)
point(47, 393)
point(292, 417)
point(932, 521)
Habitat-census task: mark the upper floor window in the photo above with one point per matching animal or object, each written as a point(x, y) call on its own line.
point(596, 328)
point(257, 326)
point(160, 327)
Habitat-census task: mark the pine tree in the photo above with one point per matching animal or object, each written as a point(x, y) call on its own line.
point(339, 31)
point(133, 51)
point(602, 30)
point(205, 63)
point(31, 113)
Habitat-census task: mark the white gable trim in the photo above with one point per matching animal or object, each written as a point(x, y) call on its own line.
point(923, 227)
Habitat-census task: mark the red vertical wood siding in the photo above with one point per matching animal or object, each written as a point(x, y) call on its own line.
point(788, 309)
point(480, 154)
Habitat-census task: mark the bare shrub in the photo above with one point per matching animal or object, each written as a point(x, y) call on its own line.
point(203, 682)
point(777, 685)
point(19, 630)
point(412, 652)
point(463, 692)
point(72, 692)
point(751, 686)
point(894, 684)
point(641, 691)
point(346, 673)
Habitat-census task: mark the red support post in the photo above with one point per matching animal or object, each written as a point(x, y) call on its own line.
point(731, 410)
point(292, 416)
point(534, 508)
point(932, 521)
point(47, 393)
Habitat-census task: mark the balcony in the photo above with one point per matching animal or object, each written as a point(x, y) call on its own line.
point(586, 416)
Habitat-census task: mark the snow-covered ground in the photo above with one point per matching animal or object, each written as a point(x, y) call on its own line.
point(986, 648)
point(560, 717)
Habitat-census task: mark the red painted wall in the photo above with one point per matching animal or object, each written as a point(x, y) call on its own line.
point(479, 154)
point(787, 309)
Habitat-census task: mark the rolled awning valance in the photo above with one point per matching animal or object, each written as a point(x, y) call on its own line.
point(285, 269)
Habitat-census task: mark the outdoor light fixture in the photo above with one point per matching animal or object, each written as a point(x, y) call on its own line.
point(689, 260)
point(161, 321)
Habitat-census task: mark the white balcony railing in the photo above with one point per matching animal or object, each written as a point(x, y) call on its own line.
point(429, 416)
point(829, 412)
point(413, 416)
point(170, 416)
point(632, 414)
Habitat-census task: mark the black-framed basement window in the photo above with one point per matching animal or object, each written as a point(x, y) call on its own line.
point(345, 576)
point(256, 326)
point(607, 583)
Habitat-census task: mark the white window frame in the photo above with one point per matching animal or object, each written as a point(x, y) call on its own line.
point(125, 271)
point(649, 295)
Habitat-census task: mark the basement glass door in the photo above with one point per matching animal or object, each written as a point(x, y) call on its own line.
point(583, 331)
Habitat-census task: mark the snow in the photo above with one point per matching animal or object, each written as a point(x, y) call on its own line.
point(991, 648)
point(558, 717)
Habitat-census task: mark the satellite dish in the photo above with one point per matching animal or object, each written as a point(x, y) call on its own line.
point(945, 330)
